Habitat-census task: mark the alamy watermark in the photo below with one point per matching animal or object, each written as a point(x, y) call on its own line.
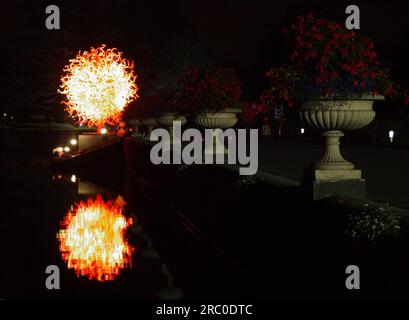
point(352, 282)
point(53, 280)
point(213, 150)
point(53, 20)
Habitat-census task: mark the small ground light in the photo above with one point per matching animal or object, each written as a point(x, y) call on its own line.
point(73, 142)
point(73, 178)
point(391, 135)
point(67, 149)
point(104, 130)
point(302, 130)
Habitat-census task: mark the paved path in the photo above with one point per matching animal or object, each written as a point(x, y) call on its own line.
point(386, 170)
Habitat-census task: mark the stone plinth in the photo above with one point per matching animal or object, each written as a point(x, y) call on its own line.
point(319, 184)
point(335, 175)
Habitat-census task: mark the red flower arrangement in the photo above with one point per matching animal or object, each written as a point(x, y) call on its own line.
point(252, 112)
point(335, 61)
point(282, 89)
point(207, 88)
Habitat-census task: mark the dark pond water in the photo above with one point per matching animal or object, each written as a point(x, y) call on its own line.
point(87, 230)
point(111, 240)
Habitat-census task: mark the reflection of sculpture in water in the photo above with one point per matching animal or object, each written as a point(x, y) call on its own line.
point(92, 239)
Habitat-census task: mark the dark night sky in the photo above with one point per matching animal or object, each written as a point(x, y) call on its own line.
point(240, 34)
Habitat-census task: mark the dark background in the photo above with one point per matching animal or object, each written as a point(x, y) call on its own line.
point(244, 35)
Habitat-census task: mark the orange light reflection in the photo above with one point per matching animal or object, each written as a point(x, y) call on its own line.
point(92, 239)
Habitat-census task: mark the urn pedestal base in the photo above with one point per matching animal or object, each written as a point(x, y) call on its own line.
point(320, 184)
point(333, 175)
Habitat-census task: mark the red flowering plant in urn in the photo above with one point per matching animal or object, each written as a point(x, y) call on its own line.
point(335, 62)
point(253, 113)
point(340, 77)
point(211, 95)
point(207, 88)
point(280, 98)
point(282, 88)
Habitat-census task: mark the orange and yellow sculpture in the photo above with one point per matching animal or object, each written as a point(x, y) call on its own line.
point(98, 85)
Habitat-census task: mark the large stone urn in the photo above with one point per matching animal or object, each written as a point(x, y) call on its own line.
point(167, 119)
point(332, 117)
point(217, 120)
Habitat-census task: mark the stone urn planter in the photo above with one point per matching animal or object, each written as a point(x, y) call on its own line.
point(332, 117)
point(217, 120)
point(167, 119)
point(150, 123)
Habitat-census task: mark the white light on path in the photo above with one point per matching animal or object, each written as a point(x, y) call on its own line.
point(391, 135)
